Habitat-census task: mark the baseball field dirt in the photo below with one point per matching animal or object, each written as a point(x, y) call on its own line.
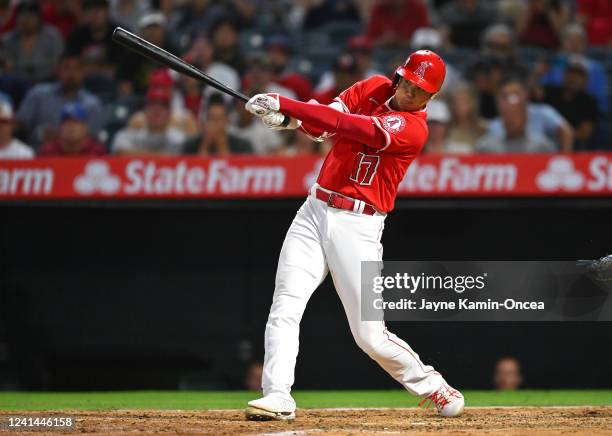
point(336, 422)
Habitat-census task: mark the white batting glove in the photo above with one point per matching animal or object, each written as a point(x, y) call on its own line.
point(277, 121)
point(263, 104)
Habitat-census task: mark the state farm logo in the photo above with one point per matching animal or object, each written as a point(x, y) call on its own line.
point(560, 174)
point(454, 175)
point(394, 123)
point(151, 178)
point(97, 178)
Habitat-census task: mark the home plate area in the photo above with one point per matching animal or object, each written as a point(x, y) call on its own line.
point(336, 422)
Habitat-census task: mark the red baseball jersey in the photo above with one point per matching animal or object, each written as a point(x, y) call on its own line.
point(372, 172)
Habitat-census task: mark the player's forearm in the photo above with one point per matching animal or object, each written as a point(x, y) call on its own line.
point(321, 118)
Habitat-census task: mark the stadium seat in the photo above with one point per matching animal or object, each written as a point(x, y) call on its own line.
point(340, 32)
point(103, 86)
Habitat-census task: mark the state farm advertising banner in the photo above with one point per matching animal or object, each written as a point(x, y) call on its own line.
point(588, 174)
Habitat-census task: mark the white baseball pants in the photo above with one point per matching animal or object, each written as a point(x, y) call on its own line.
point(323, 239)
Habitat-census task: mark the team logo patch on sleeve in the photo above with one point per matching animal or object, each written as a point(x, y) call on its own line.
point(393, 123)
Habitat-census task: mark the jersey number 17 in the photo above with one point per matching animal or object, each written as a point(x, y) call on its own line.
point(364, 168)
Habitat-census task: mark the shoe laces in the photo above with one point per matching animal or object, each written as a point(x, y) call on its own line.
point(440, 398)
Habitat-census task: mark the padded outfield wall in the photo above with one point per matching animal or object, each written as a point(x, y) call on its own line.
point(175, 294)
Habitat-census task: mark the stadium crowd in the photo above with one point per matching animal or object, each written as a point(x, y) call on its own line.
point(522, 75)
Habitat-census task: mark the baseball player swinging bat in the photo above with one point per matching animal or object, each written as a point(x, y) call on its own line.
point(379, 127)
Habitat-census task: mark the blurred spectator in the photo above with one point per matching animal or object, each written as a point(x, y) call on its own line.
point(279, 54)
point(258, 78)
point(438, 122)
point(74, 138)
point(360, 48)
point(467, 19)
point(128, 13)
point(194, 19)
point(596, 16)
point(32, 49)
point(40, 111)
point(466, 126)
point(575, 43)
point(346, 73)
point(392, 22)
point(428, 38)
point(64, 15)
point(92, 40)
point(485, 75)
point(311, 14)
point(201, 53)
point(498, 57)
point(499, 42)
point(507, 374)
point(215, 139)
point(573, 102)
point(252, 378)
point(157, 136)
point(524, 126)
point(180, 117)
point(224, 38)
point(11, 147)
point(541, 23)
point(249, 128)
point(134, 71)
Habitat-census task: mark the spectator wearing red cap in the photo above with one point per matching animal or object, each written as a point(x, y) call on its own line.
point(74, 138)
point(393, 21)
point(11, 147)
point(180, 116)
point(157, 136)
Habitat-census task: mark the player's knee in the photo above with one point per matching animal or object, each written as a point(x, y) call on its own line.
point(369, 342)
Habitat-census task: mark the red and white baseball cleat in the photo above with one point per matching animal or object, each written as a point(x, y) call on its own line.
point(448, 401)
point(271, 407)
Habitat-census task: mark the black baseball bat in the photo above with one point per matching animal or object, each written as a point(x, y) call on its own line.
point(161, 56)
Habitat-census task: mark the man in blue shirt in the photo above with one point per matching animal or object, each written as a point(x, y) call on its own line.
point(574, 43)
point(523, 126)
point(40, 111)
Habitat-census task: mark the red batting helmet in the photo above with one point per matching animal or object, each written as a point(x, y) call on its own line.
point(425, 69)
